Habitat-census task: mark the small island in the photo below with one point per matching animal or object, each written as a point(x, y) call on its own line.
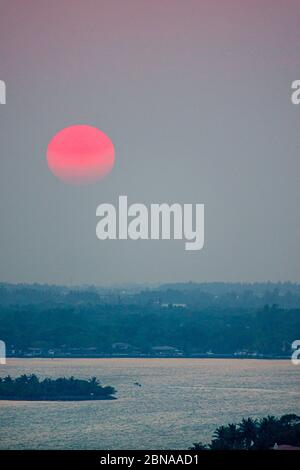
point(30, 387)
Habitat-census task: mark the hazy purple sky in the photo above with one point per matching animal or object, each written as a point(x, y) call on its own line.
point(195, 96)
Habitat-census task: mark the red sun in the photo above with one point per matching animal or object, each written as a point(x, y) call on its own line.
point(80, 154)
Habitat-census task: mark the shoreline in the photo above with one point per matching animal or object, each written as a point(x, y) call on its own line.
point(57, 398)
point(132, 356)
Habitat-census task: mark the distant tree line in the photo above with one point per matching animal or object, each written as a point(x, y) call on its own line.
point(194, 295)
point(255, 434)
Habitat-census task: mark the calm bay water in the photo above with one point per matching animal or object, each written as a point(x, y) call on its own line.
point(181, 401)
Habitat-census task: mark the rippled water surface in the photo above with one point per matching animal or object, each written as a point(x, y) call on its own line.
point(181, 401)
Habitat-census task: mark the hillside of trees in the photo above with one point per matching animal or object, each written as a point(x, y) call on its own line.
point(134, 322)
point(204, 295)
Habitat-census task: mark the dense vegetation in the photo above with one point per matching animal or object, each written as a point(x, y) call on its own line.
point(29, 387)
point(269, 331)
point(194, 319)
point(196, 296)
point(251, 434)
